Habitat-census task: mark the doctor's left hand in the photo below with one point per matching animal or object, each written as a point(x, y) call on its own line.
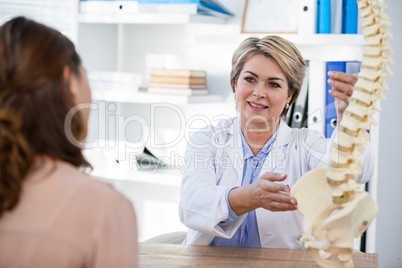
point(265, 193)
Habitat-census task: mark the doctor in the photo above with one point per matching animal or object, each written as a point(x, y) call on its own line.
point(235, 191)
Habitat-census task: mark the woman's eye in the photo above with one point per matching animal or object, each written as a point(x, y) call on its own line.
point(272, 84)
point(249, 79)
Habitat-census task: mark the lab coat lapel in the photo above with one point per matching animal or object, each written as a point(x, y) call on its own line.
point(235, 151)
point(275, 162)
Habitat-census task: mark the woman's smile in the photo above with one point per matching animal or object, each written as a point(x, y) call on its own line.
point(257, 106)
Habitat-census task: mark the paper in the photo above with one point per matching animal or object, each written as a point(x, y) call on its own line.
point(271, 16)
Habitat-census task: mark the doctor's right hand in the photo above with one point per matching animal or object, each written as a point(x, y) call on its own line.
point(263, 192)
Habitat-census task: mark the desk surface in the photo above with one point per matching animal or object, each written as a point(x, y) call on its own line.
point(169, 255)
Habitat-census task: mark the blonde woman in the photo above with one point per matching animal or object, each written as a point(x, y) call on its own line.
point(235, 191)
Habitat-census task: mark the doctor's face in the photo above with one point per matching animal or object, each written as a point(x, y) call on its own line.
point(261, 92)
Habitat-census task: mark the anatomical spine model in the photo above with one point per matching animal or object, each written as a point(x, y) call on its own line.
point(334, 209)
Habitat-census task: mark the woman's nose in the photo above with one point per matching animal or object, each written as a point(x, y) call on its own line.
point(259, 91)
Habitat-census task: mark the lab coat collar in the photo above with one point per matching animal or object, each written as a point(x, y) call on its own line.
point(284, 135)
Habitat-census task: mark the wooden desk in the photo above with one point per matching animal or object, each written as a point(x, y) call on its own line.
point(169, 255)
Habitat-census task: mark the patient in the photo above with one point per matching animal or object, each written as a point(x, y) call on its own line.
point(52, 214)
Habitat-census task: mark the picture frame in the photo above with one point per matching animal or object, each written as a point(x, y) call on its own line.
point(270, 16)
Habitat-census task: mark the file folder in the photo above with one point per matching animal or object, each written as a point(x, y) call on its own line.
point(316, 95)
point(330, 111)
point(289, 115)
point(349, 17)
point(353, 67)
point(323, 16)
point(299, 114)
point(307, 13)
point(336, 16)
point(110, 7)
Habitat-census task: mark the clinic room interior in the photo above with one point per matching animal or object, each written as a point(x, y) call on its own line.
point(146, 135)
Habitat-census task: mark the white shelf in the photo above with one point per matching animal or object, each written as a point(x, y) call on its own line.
point(149, 18)
point(105, 166)
point(321, 39)
point(140, 97)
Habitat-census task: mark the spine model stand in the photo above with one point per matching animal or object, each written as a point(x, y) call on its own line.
point(334, 209)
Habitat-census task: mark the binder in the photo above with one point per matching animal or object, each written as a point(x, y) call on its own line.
point(110, 7)
point(180, 8)
point(349, 17)
point(353, 67)
point(203, 7)
point(316, 95)
point(307, 17)
point(168, 1)
point(323, 16)
point(359, 23)
point(289, 115)
point(330, 111)
point(299, 114)
point(213, 7)
point(336, 16)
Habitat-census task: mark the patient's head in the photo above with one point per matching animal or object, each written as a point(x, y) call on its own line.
point(41, 80)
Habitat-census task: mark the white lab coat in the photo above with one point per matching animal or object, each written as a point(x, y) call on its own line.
point(214, 157)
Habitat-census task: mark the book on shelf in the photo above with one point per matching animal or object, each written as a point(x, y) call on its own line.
point(184, 86)
point(116, 81)
point(307, 16)
point(316, 95)
point(213, 8)
point(331, 117)
point(108, 6)
point(202, 7)
point(178, 80)
point(328, 17)
point(178, 7)
point(299, 109)
point(178, 73)
point(175, 90)
point(322, 114)
point(336, 16)
point(168, 1)
point(350, 17)
point(324, 16)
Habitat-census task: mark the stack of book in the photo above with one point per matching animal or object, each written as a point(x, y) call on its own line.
point(173, 81)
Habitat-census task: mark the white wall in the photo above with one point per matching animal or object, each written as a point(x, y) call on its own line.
point(389, 219)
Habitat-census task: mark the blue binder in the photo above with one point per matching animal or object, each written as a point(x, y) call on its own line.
point(353, 67)
point(330, 110)
point(323, 16)
point(349, 17)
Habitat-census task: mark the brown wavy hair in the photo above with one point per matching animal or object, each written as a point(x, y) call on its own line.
point(34, 101)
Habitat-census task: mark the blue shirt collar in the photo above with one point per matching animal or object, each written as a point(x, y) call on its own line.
point(247, 153)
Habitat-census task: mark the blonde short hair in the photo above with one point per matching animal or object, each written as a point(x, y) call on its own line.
point(282, 51)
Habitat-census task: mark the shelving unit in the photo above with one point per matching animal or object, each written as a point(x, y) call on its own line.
point(142, 97)
point(105, 167)
point(321, 39)
point(149, 18)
